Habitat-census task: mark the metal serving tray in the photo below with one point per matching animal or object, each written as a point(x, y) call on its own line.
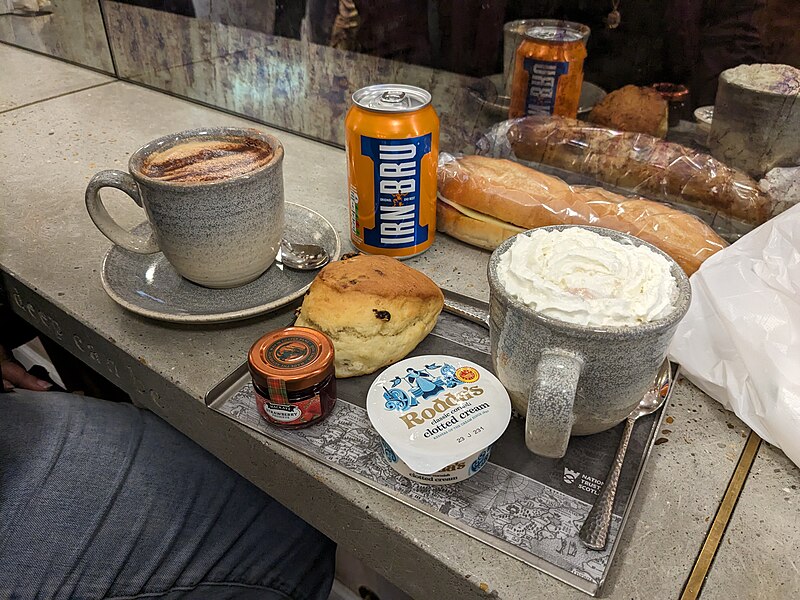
point(526, 506)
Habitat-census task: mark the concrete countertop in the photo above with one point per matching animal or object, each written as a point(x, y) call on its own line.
point(760, 554)
point(27, 77)
point(51, 254)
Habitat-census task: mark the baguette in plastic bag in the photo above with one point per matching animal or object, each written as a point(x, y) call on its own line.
point(637, 162)
point(484, 200)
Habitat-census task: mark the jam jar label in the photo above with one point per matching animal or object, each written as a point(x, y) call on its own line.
point(282, 413)
point(294, 413)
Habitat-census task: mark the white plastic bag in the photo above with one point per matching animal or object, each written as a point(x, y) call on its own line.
point(740, 340)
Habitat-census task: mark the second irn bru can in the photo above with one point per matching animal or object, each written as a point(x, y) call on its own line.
point(548, 69)
point(392, 144)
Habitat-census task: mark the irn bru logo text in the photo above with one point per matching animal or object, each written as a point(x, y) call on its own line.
point(542, 84)
point(397, 191)
point(398, 169)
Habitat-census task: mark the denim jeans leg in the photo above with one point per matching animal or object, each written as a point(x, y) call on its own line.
point(103, 500)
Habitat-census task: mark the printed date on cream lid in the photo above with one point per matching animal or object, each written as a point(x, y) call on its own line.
point(435, 410)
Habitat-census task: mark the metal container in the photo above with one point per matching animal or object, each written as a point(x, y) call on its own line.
point(548, 70)
point(392, 144)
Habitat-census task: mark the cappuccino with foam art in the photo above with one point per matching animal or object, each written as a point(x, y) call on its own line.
point(202, 160)
point(213, 199)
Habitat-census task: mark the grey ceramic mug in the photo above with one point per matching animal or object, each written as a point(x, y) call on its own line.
point(221, 233)
point(572, 379)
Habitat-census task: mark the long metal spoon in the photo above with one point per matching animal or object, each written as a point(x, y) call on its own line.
point(303, 257)
point(594, 533)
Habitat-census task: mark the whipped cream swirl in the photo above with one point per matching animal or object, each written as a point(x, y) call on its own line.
point(582, 277)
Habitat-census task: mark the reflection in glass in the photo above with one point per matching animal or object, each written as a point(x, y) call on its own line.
point(295, 63)
point(68, 29)
point(680, 41)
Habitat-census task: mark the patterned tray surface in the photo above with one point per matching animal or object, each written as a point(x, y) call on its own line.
point(526, 506)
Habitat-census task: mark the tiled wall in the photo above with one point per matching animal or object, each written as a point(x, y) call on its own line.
point(73, 31)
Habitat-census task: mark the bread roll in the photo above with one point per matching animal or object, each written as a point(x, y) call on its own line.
point(374, 308)
point(471, 226)
point(633, 108)
point(642, 164)
point(509, 197)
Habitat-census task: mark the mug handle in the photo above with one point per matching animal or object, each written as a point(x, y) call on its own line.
point(550, 402)
point(144, 244)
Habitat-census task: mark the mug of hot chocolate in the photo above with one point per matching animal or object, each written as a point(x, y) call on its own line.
point(213, 199)
point(580, 322)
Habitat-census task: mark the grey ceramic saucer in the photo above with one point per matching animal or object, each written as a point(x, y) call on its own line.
point(147, 284)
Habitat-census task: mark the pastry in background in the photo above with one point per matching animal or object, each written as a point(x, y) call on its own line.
point(632, 108)
point(374, 308)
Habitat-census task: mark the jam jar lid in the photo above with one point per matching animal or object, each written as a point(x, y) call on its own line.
point(298, 356)
point(674, 92)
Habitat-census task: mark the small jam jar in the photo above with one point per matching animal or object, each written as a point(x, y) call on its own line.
point(293, 376)
point(677, 96)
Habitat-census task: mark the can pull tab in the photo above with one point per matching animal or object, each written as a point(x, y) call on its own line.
point(394, 97)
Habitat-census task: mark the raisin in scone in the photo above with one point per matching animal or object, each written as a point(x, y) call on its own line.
point(374, 308)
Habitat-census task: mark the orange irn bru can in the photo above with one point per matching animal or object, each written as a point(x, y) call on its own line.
point(392, 145)
point(548, 69)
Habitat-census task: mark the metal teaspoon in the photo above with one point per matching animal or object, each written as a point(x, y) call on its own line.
point(594, 533)
point(303, 257)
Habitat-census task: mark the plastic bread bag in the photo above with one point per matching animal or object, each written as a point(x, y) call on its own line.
point(783, 184)
point(484, 200)
point(740, 340)
point(638, 163)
